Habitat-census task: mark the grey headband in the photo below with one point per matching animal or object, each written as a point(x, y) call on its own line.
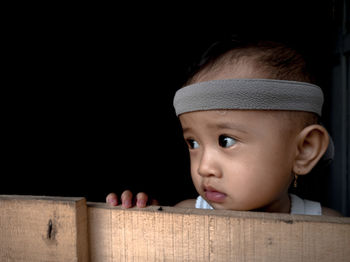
point(253, 94)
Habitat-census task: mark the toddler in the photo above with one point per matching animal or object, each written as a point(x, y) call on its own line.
point(249, 114)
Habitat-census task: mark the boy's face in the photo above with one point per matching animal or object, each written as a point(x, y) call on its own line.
point(240, 160)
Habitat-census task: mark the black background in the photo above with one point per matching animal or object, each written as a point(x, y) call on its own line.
point(87, 102)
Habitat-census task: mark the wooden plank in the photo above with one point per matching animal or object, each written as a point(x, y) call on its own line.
point(65, 229)
point(43, 229)
point(174, 234)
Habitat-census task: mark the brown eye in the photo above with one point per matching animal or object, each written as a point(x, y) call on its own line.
point(226, 141)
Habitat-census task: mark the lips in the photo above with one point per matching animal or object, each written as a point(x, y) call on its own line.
point(213, 195)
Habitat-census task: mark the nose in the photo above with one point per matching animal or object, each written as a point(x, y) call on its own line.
point(209, 165)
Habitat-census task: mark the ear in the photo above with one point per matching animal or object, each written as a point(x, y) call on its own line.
point(312, 143)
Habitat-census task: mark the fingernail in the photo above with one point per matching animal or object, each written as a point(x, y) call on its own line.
point(127, 203)
point(141, 203)
point(111, 201)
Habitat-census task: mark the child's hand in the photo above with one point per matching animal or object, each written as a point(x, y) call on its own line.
point(127, 200)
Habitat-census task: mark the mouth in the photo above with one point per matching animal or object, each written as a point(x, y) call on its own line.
point(213, 195)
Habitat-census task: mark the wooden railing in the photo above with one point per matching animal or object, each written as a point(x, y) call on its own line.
point(69, 229)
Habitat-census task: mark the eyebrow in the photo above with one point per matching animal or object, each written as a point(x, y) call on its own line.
point(227, 126)
point(220, 126)
point(186, 129)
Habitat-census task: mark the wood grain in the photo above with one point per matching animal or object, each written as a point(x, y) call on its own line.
point(69, 229)
point(43, 229)
point(175, 234)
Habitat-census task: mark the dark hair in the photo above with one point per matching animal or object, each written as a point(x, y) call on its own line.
point(277, 59)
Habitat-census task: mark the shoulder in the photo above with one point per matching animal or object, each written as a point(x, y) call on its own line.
point(330, 212)
point(187, 203)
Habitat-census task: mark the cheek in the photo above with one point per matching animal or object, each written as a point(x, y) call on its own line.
point(196, 182)
point(274, 153)
point(193, 164)
point(258, 175)
point(243, 177)
point(194, 175)
point(273, 167)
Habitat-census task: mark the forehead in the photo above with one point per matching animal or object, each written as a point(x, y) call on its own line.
point(245, 120)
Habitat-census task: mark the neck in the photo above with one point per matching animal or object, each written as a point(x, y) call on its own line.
point(281, 205)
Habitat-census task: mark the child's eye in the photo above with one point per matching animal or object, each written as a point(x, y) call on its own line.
point(193, 144)
point(226, 141)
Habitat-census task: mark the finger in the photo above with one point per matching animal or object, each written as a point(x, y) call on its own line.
point(141, 199)
point(126, 198)
point(112, 199)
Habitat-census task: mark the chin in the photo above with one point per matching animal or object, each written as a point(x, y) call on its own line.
point(222, 206)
